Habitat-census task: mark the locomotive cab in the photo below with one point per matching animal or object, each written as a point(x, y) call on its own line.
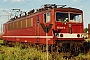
point(68, 24)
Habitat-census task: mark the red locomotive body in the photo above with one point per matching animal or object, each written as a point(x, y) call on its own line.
point(57, 25)
point(63, 23)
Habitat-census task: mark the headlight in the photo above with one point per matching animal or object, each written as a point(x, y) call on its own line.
point(57, 34)
point(82, 35)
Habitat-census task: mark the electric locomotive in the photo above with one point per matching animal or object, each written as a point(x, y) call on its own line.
point(56, 25)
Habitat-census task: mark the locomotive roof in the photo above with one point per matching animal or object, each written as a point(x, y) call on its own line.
point(46, 8)
point(69, 9)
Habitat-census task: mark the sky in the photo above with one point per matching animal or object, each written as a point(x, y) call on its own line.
point(6, 7)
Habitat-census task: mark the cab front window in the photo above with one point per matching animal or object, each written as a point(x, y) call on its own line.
point(68, 17)
point(75, 17)
point(60, 17)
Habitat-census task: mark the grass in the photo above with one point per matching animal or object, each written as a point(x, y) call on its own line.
point(1, 41)
point(17, 53)
point(84, 56)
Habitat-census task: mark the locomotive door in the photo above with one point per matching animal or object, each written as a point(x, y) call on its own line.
point(47, 22)
point(37, 28)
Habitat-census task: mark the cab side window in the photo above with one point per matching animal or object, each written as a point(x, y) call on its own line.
point(47, 17)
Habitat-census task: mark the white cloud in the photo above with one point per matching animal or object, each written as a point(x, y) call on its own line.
point(3, 20)
point(74, 0)
point(13, 0)
point(17, 0)
point(3, 9)
point(81, 6)
point(40, 0)
point(5, 0)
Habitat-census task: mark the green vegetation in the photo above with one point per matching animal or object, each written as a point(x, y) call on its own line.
point(1, 41)
point(17, 53)
point(85, 30)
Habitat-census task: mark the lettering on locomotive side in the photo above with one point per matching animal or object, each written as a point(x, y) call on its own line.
point(60, 27)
